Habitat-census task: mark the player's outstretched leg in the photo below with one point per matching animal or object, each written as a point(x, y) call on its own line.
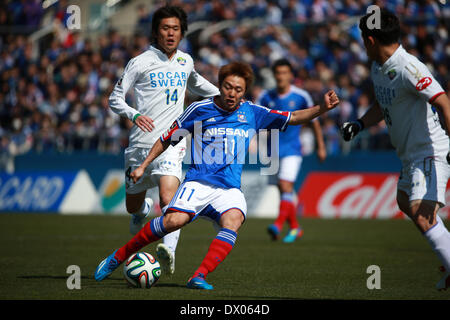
point(218, 250)
point(151, 232)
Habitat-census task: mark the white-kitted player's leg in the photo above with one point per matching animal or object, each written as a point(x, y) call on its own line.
point(168, 174)
point(137, 202)
point(439, 239)
point(141, 217)
point(165, 251)
point(427, 182)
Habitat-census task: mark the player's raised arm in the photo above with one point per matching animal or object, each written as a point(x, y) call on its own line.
point(331, 100)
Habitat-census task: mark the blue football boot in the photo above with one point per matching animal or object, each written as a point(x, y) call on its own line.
point(106, 267)
point(199, 282)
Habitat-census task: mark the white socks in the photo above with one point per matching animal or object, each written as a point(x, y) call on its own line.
point(171, 239)
point(145, 208)
point(439, 239)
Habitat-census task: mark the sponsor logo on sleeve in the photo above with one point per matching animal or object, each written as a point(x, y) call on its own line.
point(423, 83)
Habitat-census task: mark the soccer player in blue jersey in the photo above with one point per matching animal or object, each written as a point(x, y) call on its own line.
point(287, 97)
point(221, 129)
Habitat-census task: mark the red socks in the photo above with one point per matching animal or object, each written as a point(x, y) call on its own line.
point(151, 232)
point(217, 252)
point(285, 208)
point(292, 216)
point(287, 212)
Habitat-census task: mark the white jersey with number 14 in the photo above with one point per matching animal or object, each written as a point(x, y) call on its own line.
point(159, 85)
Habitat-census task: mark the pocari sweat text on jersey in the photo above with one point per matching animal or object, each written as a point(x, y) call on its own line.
point(165, 79)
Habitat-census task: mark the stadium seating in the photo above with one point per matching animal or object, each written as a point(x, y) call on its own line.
point(54, 93)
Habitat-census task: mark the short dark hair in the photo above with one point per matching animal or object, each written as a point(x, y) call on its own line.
point(236, 68)
point(168, 11)
point(389, 32)
point(282, 62)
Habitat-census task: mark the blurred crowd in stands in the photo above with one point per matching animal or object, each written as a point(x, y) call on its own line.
point(54, 97)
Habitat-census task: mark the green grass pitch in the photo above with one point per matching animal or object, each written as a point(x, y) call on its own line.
point(329, 262)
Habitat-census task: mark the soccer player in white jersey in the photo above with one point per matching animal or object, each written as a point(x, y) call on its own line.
point(288, 97)
point(416, 111)
point(221, 128)
point(159, 77)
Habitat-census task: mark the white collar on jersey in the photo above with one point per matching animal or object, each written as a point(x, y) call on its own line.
point(392, 60)
point(160, 53)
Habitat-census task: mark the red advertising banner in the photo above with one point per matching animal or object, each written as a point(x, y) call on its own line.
point(353, 195)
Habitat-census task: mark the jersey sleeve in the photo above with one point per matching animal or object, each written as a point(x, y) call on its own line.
point(117, 101)
point(200, 86)
point(418, 79)
point(182, 126)
point(266, 118)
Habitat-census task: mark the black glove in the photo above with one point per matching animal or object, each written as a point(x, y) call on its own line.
point(350, 129)
point(448, 158)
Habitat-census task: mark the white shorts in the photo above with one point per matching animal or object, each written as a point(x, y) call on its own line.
point(288, 170)
point(207, 201)
point(425, 179)
point(169, 163)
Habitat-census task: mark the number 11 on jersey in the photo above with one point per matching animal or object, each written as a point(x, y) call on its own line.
point(229, 144)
